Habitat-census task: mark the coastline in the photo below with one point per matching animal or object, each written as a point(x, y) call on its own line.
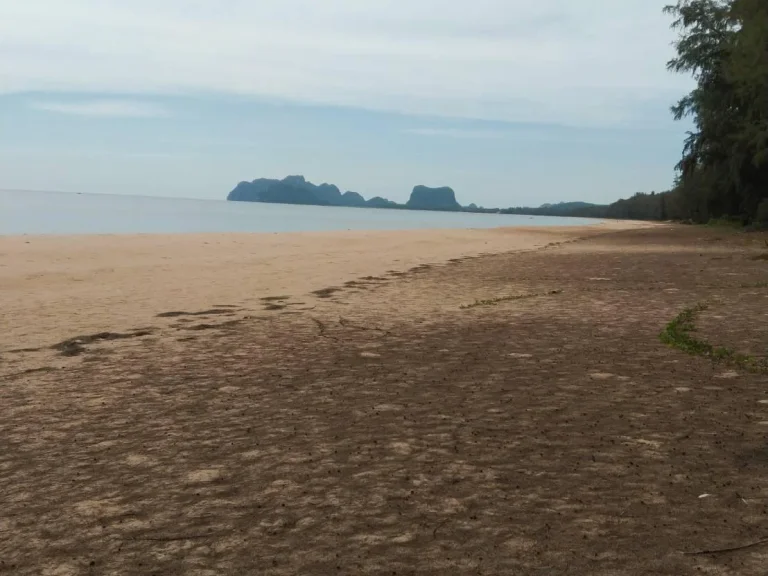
point(59, 287)
point(106, 214)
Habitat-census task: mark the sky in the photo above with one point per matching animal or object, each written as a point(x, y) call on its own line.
point(509, 102)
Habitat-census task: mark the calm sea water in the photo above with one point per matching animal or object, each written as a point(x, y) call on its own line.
point(23, 212)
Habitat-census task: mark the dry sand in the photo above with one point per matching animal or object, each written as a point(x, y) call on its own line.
point(58, 287)
point(505, 414)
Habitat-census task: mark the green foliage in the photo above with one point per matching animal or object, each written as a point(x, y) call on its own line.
point(725, 222)
point(723, 44)
point(641, 206)
point(678, 334)
point(762, 213)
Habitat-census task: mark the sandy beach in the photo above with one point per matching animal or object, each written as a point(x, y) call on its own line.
point(58, 287)
point(426, 403)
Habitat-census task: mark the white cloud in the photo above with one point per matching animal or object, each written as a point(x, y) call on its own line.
point(102, 108)
point(581, 62)
point(455, 133)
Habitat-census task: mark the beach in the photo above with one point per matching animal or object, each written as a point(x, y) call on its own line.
point(504, 401)
point(57, 287)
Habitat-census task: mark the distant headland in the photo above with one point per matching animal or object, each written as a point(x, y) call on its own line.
point(298, 190)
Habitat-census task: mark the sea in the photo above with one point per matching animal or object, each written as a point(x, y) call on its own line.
point(34, 212)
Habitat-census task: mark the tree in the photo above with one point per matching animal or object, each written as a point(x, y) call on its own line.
point(723, 44)
point(747, 71)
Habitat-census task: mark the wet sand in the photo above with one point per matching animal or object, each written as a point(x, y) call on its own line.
point(508, 413)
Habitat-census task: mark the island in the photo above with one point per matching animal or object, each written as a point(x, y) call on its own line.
point(424, 198)
point(298, 190)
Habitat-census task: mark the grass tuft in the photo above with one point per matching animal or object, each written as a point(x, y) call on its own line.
point(678, 334)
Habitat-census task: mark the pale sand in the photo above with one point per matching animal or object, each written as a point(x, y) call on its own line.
point(58, 287)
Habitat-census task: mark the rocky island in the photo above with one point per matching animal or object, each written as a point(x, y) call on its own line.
point(424, 198)
point(298, 190)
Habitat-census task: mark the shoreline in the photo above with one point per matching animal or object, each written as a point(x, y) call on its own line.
point(399, 208)
point(608, 224)
point(104, 214)
point(63, 286)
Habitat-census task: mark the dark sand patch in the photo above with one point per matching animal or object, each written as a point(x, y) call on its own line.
point(326, 292)
point(76, 346)
point(211, 312)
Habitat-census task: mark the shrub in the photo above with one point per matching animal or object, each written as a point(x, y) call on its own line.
point(762, 213)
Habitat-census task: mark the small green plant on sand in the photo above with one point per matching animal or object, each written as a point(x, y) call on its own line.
point(678, 334)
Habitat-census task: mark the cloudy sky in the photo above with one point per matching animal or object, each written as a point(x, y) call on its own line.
point(508, 101)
